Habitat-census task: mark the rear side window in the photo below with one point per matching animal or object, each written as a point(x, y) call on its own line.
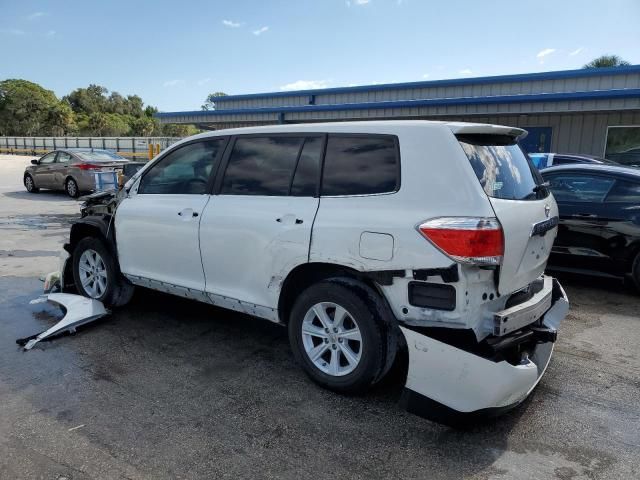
point(571, 188)
point(623, 191)
point(307, 174)
point(261, 165)
point(361, 165)
point(502, 168)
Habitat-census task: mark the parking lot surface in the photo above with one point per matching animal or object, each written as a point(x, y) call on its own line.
point(168, 388)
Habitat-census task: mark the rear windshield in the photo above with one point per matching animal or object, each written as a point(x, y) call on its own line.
point(503, 169)
point(99, 156)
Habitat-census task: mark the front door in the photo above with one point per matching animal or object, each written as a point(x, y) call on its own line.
point(538, 140)
point(60, 169)
point(258, 227)
point(157, 225)
point(44, 171)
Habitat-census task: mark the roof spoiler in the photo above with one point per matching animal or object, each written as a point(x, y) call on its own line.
point(480, 128)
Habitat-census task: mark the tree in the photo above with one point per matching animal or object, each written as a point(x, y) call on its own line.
point(142, 127)
point(209, 103)
point(27, 109)
point(178, 130)
point(606, 61)
point(92, 99)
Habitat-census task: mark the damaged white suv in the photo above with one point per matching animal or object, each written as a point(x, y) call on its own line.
point(361, 238)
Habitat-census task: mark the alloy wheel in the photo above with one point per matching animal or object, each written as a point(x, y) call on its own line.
point(93, 273)
point(28, 182)
point(332, 339)
point(72, 188)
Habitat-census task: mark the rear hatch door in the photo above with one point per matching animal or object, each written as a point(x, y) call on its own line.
point(526, 210)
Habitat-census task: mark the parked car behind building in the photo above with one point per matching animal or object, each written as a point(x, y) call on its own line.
point(358, 237)
point(599, 231)
point(71, 170)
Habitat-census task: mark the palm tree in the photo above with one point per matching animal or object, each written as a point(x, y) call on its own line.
point(606, 61)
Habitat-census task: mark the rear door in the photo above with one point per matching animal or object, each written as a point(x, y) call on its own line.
point(60, 169)
point(580, 198)
point(527, 212)
point(157, 226)
point(258, 225)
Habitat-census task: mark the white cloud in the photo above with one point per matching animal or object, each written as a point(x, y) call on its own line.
point(260, 31)
point(426, 75)
point(172, 83)
point(12, 31)
point(50, 33)
point(576, 51)
point(35, 15)
point(465, 71)
point(231, 23)
point(305, 85)
point(544, 53)
point(357, 2)
point(203, 81)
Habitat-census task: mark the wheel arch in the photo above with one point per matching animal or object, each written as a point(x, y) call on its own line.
point(100, 226)
point(304, 275)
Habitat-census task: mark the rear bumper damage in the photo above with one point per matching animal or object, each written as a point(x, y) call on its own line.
point(451, 385)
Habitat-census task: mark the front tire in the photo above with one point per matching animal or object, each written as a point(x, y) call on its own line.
point(340, 337)
point(96, 274)
point(30, 184)
point(71, 187)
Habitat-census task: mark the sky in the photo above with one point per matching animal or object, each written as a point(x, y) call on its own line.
point(173, 53)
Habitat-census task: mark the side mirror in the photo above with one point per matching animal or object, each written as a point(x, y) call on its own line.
point(34, 161)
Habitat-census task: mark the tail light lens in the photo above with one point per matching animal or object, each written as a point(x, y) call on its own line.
point(88, 166)
point(472, 240)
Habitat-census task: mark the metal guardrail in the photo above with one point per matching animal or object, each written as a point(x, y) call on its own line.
point(131, 147)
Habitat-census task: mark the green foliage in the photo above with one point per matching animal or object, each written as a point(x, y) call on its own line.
point(606, 61)
point(27, 109)
point(209, 103)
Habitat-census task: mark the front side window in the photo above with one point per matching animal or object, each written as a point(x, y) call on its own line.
point(185, 170)
point(361, 165)
point(502, 168)
point(305, 180)
point(261, 165)
point(625, 192)
point(48, 158)
point(571, 188)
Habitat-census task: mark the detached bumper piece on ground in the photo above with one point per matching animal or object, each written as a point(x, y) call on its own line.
point(79, 311)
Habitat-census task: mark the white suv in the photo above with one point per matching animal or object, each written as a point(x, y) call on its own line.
point(362, 238)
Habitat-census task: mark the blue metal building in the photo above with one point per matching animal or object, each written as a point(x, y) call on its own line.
point(572, 111)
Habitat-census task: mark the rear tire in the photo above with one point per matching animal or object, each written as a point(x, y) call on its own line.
point(341, 335)
point(96, 274)
point(71, 187)
point(30, 184)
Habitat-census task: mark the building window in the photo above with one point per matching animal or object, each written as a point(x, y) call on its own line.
point(623, 145)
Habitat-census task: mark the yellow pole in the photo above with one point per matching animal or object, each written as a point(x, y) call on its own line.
point(150, 151)
point(157, 149)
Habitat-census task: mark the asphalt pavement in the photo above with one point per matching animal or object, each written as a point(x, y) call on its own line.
point(169, 388)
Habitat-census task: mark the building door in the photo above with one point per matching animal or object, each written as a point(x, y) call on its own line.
point(537, 141)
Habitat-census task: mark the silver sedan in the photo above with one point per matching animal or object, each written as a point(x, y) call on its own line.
point(72, 170)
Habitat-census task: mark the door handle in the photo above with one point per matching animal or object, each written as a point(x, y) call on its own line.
point(289, 219)
point(186, 213)
point(584, 215)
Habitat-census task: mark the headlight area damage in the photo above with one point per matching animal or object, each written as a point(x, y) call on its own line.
point(454, 384)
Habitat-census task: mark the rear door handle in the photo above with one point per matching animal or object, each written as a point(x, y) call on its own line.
point(288, 219)
point(584, 215)
point(186, 212)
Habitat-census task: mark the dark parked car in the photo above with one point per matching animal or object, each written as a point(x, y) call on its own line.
point(599, 231)
point(71, 170)
point(546, 160)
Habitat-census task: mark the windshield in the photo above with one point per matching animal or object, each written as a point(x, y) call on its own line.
point(502, 168)
point(100, 156)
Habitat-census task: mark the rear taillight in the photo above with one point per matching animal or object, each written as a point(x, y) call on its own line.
point(88, 166)
point(477, 241)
